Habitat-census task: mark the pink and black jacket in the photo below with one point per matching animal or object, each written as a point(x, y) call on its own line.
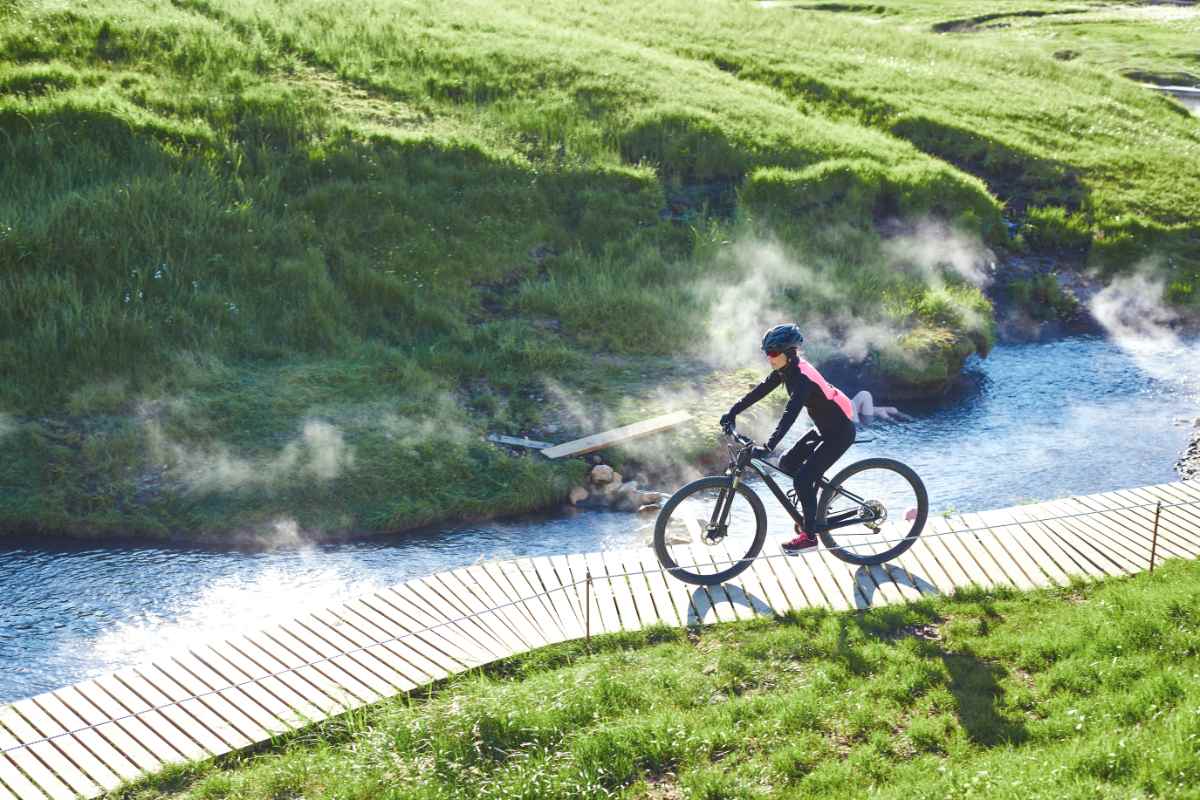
point(829, 408)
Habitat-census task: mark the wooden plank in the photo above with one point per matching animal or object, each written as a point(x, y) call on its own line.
point(5, 794)
point(189, 722)
point(518, 441)
point(969, 549)
point(1102, 525)
point(773, 593)
point(289, 700)
point(463, 641)
point(415, 657)
point(771, 568)
point(560, 596)
point(434, 604)
point(305, 686)
point(1091, 542)
point(503, 623)
point(17, 782)
point(812, 570)
point(310, 655)
point(617, 588)
point(513, 583)
point(1137, 524)
point(362, 652)
point(191, 717)
point(243, 729)
point(169, 724)
point(923, 565)
point(46, 767)
point(1018, 572)
point(634, 586)
point(672, 598)
point(603, 606)
point(1180, 536)
point(625, 433)
point(17, 733)
point(754, 594)
point(944, 546)
point(1014, 538)
point(115, 733)
point(395, 658)
point(153, 732)
point(492, 598)
point(1040, 540)
point(108, 767)
point(1181, 508)
point(525, 580)
point(1177, 500)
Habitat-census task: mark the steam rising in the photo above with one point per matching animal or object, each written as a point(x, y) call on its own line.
point(771, 281)
point(1132, 312)
point(319, 453)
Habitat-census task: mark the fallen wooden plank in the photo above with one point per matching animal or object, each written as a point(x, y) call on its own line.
point(598, 441)
point(518, 441)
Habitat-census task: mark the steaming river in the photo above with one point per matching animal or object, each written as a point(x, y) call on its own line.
point(1046, 420)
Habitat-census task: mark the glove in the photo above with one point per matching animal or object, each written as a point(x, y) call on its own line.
point(761, 452)
point(727, 422)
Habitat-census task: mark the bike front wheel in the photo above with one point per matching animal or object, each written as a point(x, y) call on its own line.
point(886, 505)
point(709, 531)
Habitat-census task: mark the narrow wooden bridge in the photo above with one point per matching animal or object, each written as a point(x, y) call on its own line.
point(83, 740)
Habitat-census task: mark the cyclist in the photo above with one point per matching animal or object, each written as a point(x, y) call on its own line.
point(829, 408)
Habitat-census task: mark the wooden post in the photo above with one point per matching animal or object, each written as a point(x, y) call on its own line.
point(1154, 539)
point(587, 602)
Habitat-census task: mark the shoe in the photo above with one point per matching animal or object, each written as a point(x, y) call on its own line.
point(804, 541)
point(910, 515)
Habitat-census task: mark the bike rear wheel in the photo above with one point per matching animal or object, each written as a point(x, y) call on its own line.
point(698, 544)
point(891, 501)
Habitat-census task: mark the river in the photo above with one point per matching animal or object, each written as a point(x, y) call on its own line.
point(1041, 421)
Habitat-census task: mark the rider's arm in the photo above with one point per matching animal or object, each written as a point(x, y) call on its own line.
point(768, 385)
point(800, 389)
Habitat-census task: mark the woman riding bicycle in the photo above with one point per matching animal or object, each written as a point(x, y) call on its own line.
point(829, 408)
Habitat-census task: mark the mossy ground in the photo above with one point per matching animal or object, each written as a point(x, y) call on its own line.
point(264, 259)
point(1082, 692)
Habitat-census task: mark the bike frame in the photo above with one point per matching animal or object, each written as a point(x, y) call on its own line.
point(742, 461)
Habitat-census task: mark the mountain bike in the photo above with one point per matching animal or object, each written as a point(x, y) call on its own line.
point(869, 513)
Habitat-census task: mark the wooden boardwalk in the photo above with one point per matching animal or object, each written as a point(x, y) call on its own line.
point(83, 740)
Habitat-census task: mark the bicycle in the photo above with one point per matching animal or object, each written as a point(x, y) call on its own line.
point(866, 533)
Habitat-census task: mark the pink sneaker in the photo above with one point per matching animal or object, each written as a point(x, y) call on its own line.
point(802, 542)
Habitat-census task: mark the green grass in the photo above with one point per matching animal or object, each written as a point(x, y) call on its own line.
point(1089, 691)
point(380, 215)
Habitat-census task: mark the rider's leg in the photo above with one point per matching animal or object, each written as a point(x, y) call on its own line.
point(828, 451)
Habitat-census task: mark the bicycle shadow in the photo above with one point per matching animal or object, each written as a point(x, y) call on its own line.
point(867, 581)
point(705, 601)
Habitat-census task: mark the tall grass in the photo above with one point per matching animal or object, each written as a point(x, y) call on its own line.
point(435, 195)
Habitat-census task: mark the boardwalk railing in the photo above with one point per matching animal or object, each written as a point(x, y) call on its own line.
point(88, 738)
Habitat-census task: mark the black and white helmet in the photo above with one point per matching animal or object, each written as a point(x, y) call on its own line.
point(782, 338)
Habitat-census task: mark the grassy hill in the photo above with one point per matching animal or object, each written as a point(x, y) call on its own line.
point(1085, 692)
point(291, 259)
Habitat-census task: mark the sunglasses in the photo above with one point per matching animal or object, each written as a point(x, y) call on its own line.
point(773, 353)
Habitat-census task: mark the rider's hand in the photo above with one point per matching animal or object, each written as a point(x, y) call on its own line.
point(727, 422)
point(760, 452)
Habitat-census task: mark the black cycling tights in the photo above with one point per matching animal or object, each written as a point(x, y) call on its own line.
point(807, 461)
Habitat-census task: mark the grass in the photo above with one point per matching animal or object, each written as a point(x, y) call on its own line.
point(1086, 691)
point(224, 222)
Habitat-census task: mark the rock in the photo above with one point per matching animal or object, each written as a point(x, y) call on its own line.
point(602, 474)
point(628, 498)
point(649, 508)
point(616, 478)
point(578, 494)
point(652, 498)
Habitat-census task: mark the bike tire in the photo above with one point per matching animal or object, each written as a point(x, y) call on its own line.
point(704, 579)
point(837, 549)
